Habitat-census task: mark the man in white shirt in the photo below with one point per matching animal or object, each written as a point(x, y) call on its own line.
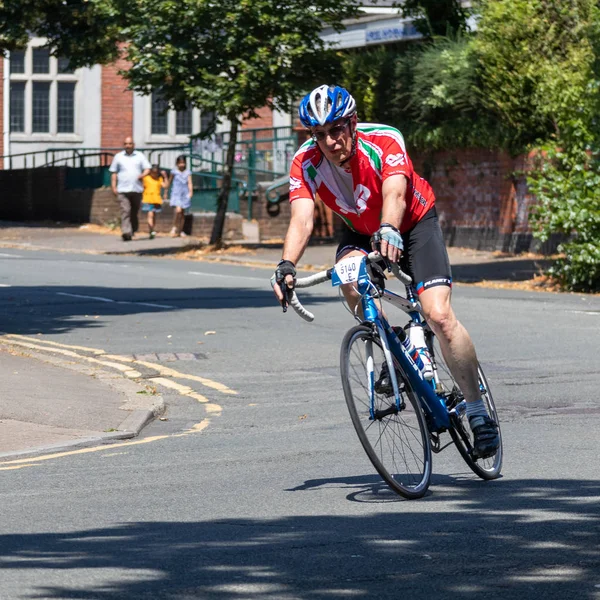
point(128, 168)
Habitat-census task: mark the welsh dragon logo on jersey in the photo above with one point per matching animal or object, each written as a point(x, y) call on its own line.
point(295, 184)
point(394, 160)
point(361, 196)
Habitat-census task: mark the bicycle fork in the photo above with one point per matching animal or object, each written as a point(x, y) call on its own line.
point(398, 403)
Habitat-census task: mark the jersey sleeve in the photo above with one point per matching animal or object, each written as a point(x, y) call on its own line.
point(394, 160)
point(300, 185)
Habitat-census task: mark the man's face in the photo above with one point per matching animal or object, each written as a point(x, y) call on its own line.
point(128, 145)
point(335, 140)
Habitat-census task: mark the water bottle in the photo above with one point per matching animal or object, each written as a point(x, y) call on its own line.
point(417, 337)
point(413, 352)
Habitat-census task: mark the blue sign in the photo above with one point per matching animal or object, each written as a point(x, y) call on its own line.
point(389, 34)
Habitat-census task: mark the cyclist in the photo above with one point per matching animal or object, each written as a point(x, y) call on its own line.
point(363, 173)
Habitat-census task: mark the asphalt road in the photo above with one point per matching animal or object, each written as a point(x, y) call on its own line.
point(275, 498)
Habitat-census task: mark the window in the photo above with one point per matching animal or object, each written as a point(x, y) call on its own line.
point(65, 107)
point(160, 123)
point(43, 91)
point(167, 125)
point(17, 61)
point(41, 60)
point(17, 106)
point(40, 107)
point(206, 120)
point(183, 121)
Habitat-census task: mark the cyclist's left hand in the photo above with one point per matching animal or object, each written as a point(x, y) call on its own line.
point(283, 281)
point(390, 243)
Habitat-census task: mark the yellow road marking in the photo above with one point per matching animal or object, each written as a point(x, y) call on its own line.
point(36, 459)
point(30, 462)
point(185, 390)
point(215, 385)
point(85, 348)
point(166, 371)
point(197, 428)
point(127, 371)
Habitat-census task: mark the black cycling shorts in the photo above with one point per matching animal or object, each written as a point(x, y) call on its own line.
point(424, 258)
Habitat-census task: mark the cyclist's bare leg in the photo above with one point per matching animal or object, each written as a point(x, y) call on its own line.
point(455, 341)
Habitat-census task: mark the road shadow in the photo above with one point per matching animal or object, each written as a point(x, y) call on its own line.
point(517, 269)
point(368, 488)
point(53, 309)
point(515, 539)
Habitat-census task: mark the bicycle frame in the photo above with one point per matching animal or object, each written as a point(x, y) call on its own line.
point(434, 406)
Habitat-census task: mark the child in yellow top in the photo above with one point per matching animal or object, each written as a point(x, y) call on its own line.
point(155, 186)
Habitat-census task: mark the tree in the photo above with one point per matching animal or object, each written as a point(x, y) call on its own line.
point(536, 58)
point(86, 31)
point(437, 18)
point(442, 99)
point(540, 73)
point(232, 57)
point(228, 57)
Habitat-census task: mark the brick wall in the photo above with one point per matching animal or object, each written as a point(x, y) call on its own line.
point(30, 194)
point(264, 119)
point(104, 210)
point(480, 200)
point(117, 106)
point(273, 218)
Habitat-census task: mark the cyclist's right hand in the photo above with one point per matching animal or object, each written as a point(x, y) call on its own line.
point(283, 281)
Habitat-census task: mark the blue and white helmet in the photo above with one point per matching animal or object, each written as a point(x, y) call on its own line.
point(326, 104)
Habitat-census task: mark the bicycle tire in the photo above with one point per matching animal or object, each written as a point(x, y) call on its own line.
point(486, 468)
point(391, 439)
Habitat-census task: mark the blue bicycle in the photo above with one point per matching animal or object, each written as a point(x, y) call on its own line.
point(401, 426)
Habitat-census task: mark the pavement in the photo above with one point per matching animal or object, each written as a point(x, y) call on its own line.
point(50, 404)
point(39, 411)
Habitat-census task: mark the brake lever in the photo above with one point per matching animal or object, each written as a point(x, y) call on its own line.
point(287, 295)
point(284, 301)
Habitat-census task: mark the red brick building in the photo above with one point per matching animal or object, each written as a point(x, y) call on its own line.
point(45, 106)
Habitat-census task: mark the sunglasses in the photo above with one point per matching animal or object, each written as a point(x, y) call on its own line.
point(333, 132)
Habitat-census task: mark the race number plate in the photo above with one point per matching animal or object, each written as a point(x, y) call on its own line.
point(349, 270)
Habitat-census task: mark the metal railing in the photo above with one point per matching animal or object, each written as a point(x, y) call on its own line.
point(263, 156)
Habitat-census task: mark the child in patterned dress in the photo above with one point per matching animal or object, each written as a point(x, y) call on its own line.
point(180, 181)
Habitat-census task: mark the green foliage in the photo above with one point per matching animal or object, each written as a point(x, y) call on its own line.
point(87, 32)
point(437, 18)
point(539, 72)
point(367, 74)
point(429, 91)
point(567, 188)
point(536, 58)
point(443, 101)
point(232, 56)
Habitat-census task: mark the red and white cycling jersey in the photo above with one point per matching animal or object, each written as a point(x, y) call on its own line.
point(355, 193)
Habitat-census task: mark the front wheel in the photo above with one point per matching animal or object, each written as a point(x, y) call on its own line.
point(396, 440)
point(486, 468)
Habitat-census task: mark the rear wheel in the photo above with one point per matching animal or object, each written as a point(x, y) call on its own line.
point(396, 441)
point(486, 468)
